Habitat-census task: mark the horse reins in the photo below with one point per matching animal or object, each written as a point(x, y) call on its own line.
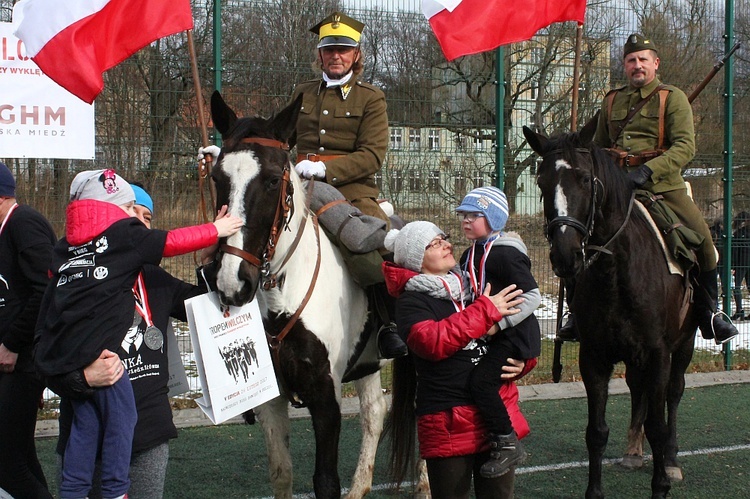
point(587, 230)
point(284, 212)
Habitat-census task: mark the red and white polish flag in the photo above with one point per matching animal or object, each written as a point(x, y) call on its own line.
point(75, 41)
point(465, 27)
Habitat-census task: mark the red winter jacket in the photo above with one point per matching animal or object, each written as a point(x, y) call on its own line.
point(459, 429)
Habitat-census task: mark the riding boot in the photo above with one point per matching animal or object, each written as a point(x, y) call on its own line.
point(569, 330)
point(390, 344)
point(711, 323)
point(505, 452)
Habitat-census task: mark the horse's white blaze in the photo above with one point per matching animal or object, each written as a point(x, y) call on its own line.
point(561, 164)
point(561, 204)
point(241, 167)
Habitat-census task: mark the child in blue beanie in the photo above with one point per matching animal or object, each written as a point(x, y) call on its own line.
point(499, 259)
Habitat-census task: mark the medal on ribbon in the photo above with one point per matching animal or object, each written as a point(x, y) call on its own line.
point(152, 337)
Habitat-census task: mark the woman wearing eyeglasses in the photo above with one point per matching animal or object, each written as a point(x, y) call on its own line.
point(444, 333)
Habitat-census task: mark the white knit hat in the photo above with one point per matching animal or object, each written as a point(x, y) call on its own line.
point(409, 243)
point(101, 185)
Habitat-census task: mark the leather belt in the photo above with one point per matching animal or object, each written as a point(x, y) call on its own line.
point(318, 157)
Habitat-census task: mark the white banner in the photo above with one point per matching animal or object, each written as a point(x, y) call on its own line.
point(232, 357)
point(38, 118)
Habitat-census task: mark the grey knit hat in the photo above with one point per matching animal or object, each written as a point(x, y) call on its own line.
point(409, 243)
point(7, 182)
point(101, 185)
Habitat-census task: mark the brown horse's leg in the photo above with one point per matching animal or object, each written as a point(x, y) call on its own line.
point(596, 380)
point(326, 418)
point(680, 360)
point(656, 380)
point(633, 458)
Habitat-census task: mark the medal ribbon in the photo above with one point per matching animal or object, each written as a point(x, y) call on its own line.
point(478, 281)
point(457, 304)
point(141, 300)
point(7, 216)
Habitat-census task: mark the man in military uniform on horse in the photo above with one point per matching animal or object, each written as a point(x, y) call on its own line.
point(647, 127)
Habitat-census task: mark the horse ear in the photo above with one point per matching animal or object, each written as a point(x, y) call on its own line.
point(586, 135)
point(221, 113)
point(537, 141)
point(284, 123)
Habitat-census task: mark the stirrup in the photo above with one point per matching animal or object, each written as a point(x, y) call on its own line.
point(728, 321)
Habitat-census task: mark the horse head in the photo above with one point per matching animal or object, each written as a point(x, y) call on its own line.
point(570, 190)
point(254, 178)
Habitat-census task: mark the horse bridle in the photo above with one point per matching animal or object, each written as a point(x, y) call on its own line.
point(587, 230)
point(284, 213)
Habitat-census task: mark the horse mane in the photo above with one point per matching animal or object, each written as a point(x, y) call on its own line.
point(617, 187)
point(248, 126)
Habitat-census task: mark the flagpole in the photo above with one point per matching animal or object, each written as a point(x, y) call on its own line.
point(576, 79)
point(202, 167)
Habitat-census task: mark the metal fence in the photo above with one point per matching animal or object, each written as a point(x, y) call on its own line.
point(442, 115)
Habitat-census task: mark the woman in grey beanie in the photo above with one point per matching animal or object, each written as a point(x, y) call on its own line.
point(444, 333)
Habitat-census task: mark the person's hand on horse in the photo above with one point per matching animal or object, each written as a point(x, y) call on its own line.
point(104, 371)
point(506, 300)
point(640, 176)
point(212, 150)
point(310, 169)
point(227, 225)
point(208, 254)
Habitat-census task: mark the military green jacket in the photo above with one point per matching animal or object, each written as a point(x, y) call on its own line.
point(356, 126)
point(642, 133)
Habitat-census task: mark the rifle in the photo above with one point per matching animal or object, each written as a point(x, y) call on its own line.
point(712, 73)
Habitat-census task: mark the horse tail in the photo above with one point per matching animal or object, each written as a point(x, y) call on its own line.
point(401, 422)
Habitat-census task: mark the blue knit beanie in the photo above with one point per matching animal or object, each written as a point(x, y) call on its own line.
point(489, 201)
point(7, 182)
point(142, 198)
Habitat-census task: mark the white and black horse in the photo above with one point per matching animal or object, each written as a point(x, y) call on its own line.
point(314, 313)
point(628, 307)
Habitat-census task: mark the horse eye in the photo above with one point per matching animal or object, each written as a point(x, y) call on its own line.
point(274, 182)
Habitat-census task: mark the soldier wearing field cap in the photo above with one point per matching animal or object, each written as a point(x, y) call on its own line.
point(647, 126)
point(342, 129)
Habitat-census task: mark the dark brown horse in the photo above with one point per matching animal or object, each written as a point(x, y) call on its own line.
point(629, 308)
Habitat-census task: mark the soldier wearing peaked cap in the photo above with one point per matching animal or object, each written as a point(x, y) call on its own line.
point(342, 130)
point(648, 127)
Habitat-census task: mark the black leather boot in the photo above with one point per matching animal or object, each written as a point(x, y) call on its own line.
point(569, 330)
point(711, 323)
point(505, 452)
point(390, 344)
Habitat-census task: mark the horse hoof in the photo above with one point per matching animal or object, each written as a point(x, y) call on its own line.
point(632, 462)
point(674, 473)
point(422, 495)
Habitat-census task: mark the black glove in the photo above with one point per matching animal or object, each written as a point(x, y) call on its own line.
point(640, 176)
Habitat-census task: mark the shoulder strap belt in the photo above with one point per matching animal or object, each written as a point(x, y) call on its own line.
point(636, 108)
